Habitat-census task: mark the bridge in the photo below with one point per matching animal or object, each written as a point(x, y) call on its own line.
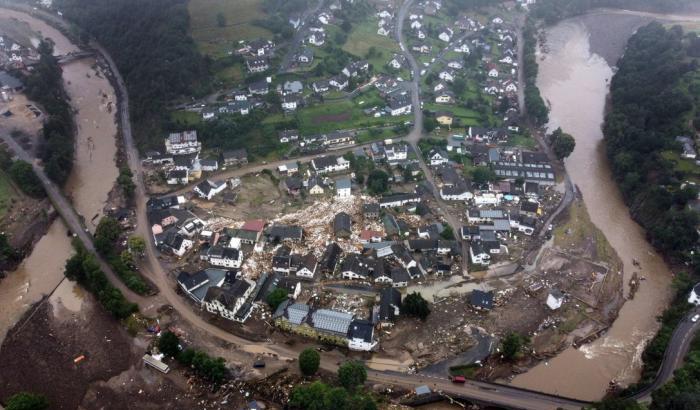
point(74, 56)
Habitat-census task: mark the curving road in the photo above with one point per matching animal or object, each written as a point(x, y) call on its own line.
point(479, 392)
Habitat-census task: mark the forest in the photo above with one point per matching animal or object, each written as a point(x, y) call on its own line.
point(149, 42)
point(649, 108)
point(536, 108)
point(552, 11)
point(45, 86)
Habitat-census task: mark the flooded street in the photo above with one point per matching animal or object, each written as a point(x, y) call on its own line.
point(575, 82)
point(93, 175)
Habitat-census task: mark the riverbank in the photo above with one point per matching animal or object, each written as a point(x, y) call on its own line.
point(573, 63)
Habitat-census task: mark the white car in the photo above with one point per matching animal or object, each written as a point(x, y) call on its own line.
point(695, 318)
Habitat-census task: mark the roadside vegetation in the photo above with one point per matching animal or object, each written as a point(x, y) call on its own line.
point(537, 110)
point(555, 10)
point(322, 396)
point(84, 269)
point(108, 236)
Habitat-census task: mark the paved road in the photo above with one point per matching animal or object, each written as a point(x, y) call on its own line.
point(417, 132)
point(674, 355)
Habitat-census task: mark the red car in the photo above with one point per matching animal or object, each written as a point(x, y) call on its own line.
point(459, 379)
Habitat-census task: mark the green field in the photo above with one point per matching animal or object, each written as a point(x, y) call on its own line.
point(363, 37)
point(185, 118)
point(466, 116)
point(240, 14)
point(686, 166)
point(340, 115)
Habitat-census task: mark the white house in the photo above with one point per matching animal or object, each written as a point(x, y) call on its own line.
point(446, 35)
point(178, 244)
point(478, 255)
point(177, 177)
point(339, 82)
point(184, 142)
point(395, 153)
point(439, 87)
point(290, 102)
point(329, 163)
point(208, 189)
point(384, 14)
point(361, 336)
point(343, 188)
point(493, 72)
point(454, 64)
point(445, 97)
point(227, 301)
point(462, 48)
point(455, 193)
point(694, 297)
point(506, 60)
point(447, 75)
point(497, 20)
point(318, 39)
point(437, 158)
point(416, 24)
point(510, 87)
point(555, 299)
point(384, 31)
point(225, 257)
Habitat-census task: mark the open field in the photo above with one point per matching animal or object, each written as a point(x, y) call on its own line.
point(340, 115)
point(240, 14)
point(363, 37)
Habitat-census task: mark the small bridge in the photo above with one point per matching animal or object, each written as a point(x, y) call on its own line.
point(74, 56)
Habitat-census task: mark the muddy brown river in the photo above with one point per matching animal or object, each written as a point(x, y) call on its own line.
point(93, 174)
point(575, 82)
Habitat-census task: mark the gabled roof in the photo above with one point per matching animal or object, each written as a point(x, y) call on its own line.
point(330, 257)
point(481, 299)
point(192, 280)
point(342, 222)
point(361, 329)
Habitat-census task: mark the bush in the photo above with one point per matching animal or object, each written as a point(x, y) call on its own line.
point(22, 173)
point(27, 401)
point(169, 344)
point(512, 346)
point(309, 360)
point(415, 305)
point(378, 182)
point(276, 297)
point(352, 374)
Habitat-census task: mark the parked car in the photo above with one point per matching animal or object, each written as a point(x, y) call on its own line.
point(695, 318)
point(459, 379)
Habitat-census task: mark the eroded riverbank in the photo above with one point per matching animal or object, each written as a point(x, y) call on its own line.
point(92, 177)
point(574, 78)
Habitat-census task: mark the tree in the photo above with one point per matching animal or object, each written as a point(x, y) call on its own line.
point(220, 20)
point(276, 297)
point(447, 233)
point(512, 345)
point(352, 374)
point(378, 182)
point(169, 344)
point(459, 86)
point(125, 181)
point(309, 397)
point(415, 305)
point(106, 234)
point(27, 401)
point(336, 398)
point(429, 121)
point(309, 361)
point(616, 403)
point(137, 245)
point(563, 144)
point(483, 175)
point(24, 176)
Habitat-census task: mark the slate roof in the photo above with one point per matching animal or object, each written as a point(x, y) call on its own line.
point(342, 223)
point(361, 329)
point(481, 299)
point(192, 280)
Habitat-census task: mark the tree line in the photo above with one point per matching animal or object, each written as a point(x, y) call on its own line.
point(536, 108)
point(108, 238)
point(45, 86)
point(149, 42)
point(648, 110)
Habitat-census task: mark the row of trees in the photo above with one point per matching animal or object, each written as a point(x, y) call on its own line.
point(320, 396)
point(84, 268)
point(207, 367)
point(107, 242)
point(45, 86)
point(536, 108)
point(150, 43)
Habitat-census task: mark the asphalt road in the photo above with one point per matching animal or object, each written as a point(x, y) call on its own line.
point(481, 392)
point(417, 133)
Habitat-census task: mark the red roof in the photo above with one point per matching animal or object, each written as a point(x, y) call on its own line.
point(256, 225)
point(367, 234)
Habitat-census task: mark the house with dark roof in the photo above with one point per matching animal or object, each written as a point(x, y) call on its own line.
point(329, 259)
point(207, 189)
point(228, 300)
point(370, 211)
point(281, 233)
point(361, 336)
point(342, 225)
point(389, 307)
point(306, 266)
point(481, 300)
point(355, 266)
point(235, 157)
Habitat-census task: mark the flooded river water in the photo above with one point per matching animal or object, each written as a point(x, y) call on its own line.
point(92, 177)
point(575, 82)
